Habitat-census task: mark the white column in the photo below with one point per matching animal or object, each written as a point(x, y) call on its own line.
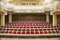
point(47, 17)
point(54, 20)
point(10, 18)
point(2, 20)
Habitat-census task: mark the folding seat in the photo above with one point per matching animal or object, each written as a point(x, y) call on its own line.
point(10, 31)
point(7, 28)
point(31, 27)
point(45, 31)
point(27, 32)
point(53, 31)
point(49, 31)
point(23, 32)
point(36, 32)
point(41, 32)
point(15, 24)
point(10, 25)
point(34, 27)
point(57, 31)
point(13, 27)
point(45, 26)
point(42, 26)
point(6, 31)
point(13, 32)
point(1, 30)
point(18, 32)
point(16, 27)
point(30, 24)
point(39, 27)
point(32, 32)
point(24, 26)
point(52, 28)
point(48, 27)
point(27, 27)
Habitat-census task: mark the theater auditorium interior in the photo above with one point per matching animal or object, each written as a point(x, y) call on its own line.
point(29, 19)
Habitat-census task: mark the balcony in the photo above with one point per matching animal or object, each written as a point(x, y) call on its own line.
point(29, 8)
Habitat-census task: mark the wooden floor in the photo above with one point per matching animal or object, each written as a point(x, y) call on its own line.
point(29, 38)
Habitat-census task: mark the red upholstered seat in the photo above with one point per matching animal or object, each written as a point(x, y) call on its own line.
point(29, 27)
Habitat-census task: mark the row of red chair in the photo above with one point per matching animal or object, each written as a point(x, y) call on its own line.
point(28, 23)
point(29, 27)
point(29, 30)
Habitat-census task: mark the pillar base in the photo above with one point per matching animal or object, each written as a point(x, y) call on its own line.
point(2, 26)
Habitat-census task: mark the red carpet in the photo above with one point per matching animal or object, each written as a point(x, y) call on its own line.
point(29, 27)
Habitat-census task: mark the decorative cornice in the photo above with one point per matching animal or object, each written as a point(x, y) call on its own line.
point(28, 8)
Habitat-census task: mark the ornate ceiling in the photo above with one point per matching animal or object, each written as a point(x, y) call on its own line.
point(38, 2)
point(31, 5)
point(18, 2)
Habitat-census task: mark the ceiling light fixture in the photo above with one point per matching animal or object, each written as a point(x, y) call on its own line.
point(47, 1)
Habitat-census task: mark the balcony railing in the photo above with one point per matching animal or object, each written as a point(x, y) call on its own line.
point(29, 8)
